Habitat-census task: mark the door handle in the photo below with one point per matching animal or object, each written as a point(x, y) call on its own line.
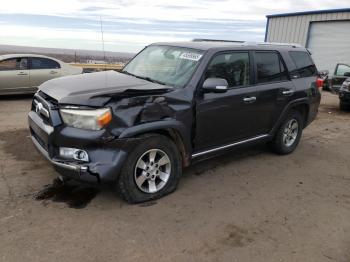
point(287, 92)
point(22, 74)
point(53, 72)
point(249, 99)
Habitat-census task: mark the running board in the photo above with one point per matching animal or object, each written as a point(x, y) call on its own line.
point(229, 145)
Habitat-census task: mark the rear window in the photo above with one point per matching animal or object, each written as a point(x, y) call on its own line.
point(304, 64)
point(43, 63)
point(270, 67)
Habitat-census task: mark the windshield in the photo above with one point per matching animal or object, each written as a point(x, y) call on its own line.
point(166, 65)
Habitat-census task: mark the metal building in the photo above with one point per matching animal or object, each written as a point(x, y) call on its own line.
point(326, 33)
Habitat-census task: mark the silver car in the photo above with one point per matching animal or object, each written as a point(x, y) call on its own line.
point(23, 73)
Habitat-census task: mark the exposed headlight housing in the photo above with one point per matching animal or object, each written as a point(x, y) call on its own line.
point(94, 119)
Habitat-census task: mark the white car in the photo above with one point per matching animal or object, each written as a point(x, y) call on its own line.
point(23, 73)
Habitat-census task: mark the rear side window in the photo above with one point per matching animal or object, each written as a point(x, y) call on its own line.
point(14, 64)
point(270, 67)
point(43, 63)
point(233, 66)
point(304, 64)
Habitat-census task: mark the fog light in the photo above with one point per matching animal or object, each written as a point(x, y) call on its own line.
point(73, 153)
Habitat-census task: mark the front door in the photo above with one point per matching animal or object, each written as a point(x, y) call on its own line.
point(14, 76)
point(223, 118)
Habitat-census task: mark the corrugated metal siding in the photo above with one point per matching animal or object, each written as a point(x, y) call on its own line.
point(294, 29)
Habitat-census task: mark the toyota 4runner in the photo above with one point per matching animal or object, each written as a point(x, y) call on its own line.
point(174, 104)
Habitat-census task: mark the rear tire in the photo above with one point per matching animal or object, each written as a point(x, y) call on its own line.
point(289, 133)
point(343, 106)
point(152, 170)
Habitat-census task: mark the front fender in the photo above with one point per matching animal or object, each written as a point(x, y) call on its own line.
point(171, 124)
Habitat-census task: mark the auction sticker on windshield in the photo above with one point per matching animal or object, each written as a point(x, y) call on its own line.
point(191, 56)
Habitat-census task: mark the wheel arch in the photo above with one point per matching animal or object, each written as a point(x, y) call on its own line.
point(172, 129)
point(300, 105)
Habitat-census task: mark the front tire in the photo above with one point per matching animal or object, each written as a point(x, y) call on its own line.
point(288, 135)
point(152, 170)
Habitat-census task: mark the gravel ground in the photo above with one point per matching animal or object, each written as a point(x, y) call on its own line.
point(249, 205)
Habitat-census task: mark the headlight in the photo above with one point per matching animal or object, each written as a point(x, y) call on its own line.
point(94, 119)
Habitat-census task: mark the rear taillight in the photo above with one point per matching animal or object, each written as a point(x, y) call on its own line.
point(319, 83)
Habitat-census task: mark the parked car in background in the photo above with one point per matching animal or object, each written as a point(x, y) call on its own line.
point(23, 73)
point(341, 73)
point(344, 94)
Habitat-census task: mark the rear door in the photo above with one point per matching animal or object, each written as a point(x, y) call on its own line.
point(43, 69)
point(339, 76)
point(227, 117)
point(14, 75)
point(274, 88)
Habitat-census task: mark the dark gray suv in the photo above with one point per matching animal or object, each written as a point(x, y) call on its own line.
point(173, 104)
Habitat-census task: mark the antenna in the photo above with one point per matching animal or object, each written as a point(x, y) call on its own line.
point(104, 52)
point(103, 41)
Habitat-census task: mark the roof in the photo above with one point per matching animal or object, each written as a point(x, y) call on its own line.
point(207, 44)
point(327, 11)
point(23, 55)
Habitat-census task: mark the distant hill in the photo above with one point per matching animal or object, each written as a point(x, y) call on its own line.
point(69, 55)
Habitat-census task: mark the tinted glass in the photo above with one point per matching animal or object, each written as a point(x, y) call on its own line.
point(169, 65)
point(270, 67)
point(234, 67)
point(342, 69)
point(43, 63)
point(14, 64)
point(304, 64)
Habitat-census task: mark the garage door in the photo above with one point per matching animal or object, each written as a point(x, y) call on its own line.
point(329, 43)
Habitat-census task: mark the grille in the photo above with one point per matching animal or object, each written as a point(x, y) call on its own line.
point(53, 102)
point(43, 104)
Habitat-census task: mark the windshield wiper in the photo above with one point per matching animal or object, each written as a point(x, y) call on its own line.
point(127, 73)
point(151, 80)
point(145, 78)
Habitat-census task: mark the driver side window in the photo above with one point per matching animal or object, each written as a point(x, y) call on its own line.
point(234, 67)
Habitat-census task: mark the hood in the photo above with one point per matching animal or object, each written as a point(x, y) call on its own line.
point(96, 89)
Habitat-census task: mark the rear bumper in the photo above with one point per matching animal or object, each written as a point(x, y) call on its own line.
point(106, 158)
point(313, 108)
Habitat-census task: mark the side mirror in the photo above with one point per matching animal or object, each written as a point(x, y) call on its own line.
point(215, 85)
point(347, 74)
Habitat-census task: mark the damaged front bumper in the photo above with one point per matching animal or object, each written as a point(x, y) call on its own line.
point(106, 157)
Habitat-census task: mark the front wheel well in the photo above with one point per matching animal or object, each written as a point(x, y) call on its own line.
point(174, 136)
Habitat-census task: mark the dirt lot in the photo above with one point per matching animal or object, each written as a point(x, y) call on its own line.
point(246, 206)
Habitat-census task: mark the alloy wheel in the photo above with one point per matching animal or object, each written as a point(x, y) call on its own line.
point(290, 132)
point(152, 171)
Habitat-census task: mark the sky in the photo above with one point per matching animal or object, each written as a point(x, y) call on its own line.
point(129, 25)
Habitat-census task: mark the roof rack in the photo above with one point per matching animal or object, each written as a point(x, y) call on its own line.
point(280, 44)
point(217, 40)
point(247, 42)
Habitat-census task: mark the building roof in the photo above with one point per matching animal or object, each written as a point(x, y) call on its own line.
point(310, 12)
